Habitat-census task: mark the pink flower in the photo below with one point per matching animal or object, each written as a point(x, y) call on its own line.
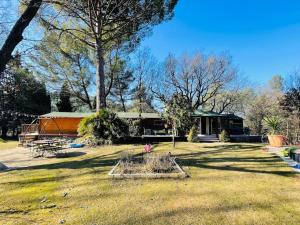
point(148, 148)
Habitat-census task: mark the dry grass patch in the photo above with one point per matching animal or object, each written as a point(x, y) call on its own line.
point(8, 145)
point(229, 184)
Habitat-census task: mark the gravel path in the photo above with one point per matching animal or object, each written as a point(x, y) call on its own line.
point(23, 157)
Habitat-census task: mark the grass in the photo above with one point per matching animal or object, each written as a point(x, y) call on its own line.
point(228, 184)
point(8, 144)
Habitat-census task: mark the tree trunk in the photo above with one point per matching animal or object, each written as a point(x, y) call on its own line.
point(15, 35)
point(100, 79)
point(123, 103)
point(4, 130)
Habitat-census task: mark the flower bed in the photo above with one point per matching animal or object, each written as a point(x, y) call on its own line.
point(147, 166)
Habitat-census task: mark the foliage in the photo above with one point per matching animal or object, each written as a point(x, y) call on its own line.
point(263, 103)
point(64, 104)
point(1, 140)
point(142, 99)
point(134, 127)
point(178, 114)
point(107, 27)
point(285, 152)
point(290, 106)
point(289, 151)
point(58, 60)
point(273, 124)
point(104, 127)
point(22, 92)
point(122, 78)
point(21, 96)
point(224, 136)
point(192, 134)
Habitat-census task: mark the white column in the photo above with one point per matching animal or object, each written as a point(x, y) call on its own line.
point(207, 125)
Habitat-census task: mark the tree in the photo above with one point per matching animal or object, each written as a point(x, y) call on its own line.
point(143, 67)
point(64, 104)
point(15, 35)
point(198, 78)
point(264, 103)
point(258, 109)
point(276, 83)
point(21, 96)
point(178, 115)
point(142, 99)
point(290, 104)
point(121, 92)
point(106, 25)
point(58, 60)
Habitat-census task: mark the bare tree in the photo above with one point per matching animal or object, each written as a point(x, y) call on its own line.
point(198, 78)
point(143, 69)
point(103, 25)
point(15, 35)
point(232, 98)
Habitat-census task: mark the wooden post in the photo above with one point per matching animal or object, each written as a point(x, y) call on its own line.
point(173, 137)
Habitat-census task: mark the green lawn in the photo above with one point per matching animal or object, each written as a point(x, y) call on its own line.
point(228, 184)
point(8, 145)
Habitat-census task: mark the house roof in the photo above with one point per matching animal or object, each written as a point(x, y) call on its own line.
point(202, 113)
point(125, 115)
point(199, 113)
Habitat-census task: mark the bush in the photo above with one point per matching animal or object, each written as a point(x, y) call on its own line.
point(192, 137)
point(290, 152)
point(286, 152)
point(1, 140)
point(104, 127)
point(273, 124)
point(134, 127)
point(224, 136)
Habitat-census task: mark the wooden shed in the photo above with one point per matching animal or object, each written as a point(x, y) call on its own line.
point(60, 123)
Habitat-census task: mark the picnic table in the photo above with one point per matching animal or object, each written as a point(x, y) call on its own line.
point(47, 146)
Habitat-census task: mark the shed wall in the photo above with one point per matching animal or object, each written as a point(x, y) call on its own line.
point(59, 125)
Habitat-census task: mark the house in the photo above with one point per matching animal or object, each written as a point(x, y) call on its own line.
point(153, 124)
point(212, 123)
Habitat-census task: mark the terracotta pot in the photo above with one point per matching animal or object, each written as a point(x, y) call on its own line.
point(276, 140)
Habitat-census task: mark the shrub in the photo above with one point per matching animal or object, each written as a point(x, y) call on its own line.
point(1, 140)
point(104, 127)
point(224, 136)
point(273, 124)
point(286, 152)
point(291, 151)
point(192, 137)
point(134, 127)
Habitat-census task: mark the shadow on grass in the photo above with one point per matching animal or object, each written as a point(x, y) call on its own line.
point(235, 164)
point(209, 158)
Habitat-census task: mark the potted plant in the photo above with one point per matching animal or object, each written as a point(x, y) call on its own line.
point(275, 138)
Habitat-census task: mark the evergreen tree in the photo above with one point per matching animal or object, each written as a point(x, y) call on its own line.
point(107, 25)
point(120, 91)
point(142, 99)
point(64, 104)
point(21, 96)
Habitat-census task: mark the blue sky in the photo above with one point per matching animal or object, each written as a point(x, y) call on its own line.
point(263, 37)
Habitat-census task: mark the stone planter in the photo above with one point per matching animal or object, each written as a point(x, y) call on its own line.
point(276, 140)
